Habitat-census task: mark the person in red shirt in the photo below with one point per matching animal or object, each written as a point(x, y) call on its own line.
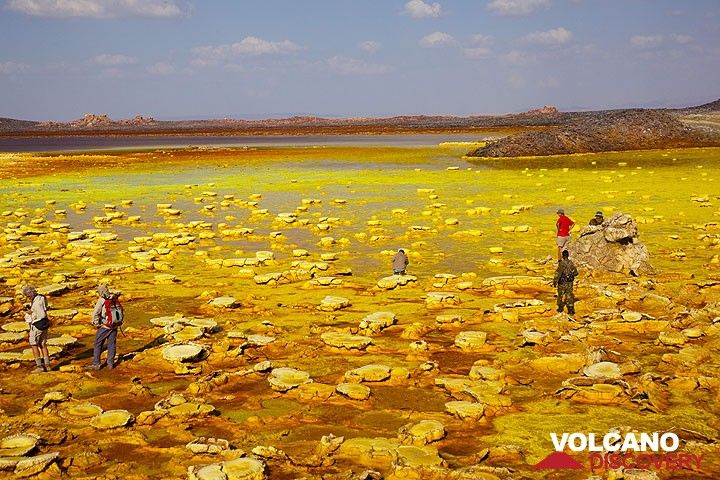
point(564, 224)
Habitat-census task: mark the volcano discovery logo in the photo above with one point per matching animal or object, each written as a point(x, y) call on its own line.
point(654, 451)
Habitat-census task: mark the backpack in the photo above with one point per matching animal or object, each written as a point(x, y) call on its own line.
point(114, 315)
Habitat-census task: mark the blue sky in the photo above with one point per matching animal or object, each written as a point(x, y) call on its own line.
point(60, 59)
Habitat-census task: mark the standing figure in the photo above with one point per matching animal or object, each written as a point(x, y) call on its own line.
point(39, 325)
point(400, 262)
point(564, 276)
point(564, 224)
point(598, 219)
point(107, 316)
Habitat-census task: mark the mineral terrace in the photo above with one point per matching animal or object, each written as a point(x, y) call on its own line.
point(266, 336)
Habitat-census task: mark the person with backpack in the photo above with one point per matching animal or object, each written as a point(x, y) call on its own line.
point(107, 316)
point(564, 276)
point(39, 326)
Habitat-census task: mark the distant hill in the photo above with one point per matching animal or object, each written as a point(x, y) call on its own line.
point(10, 124)
point(614, 130)
point(554, 132)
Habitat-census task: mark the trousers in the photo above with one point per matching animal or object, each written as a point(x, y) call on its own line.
point(565, 296)
point(105, 334)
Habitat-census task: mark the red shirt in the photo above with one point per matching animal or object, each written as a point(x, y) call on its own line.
point(564, 224)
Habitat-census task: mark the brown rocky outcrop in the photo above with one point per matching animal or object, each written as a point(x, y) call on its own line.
point(613, 247)
point(598, 132)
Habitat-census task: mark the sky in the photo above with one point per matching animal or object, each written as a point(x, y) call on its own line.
point(178, 59)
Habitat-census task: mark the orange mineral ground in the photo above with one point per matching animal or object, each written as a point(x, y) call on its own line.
point(267, 337)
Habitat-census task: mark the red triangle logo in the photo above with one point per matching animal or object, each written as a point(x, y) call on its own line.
point(559, 461)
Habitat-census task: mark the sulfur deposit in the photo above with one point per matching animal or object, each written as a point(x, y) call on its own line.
point(267, 337)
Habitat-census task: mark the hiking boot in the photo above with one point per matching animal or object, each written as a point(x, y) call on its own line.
point(571, 311)
point(92, 367)
point(559, 310)
point(38, 370)
point(110, 367)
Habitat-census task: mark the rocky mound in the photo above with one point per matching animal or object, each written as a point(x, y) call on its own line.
point(91, 120)
point(613, 246)
point(12, 124)
point(605, 131)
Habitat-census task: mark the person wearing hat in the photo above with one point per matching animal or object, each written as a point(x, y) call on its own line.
point(400, 262)
point(103, 319)
point(39, 325)
point(564, 224)
point(563, 280)
point(598, 219)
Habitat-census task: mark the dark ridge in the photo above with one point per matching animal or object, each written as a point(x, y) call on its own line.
point(604, 131)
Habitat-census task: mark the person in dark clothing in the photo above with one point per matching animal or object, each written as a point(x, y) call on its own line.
point(400, 262)
point(563, 280)
point(598, 219)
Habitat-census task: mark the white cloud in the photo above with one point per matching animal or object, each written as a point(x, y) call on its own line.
point(483, 40)
point(436, 39)
point(100, 8)
point(681, 39)
point(8, 68)
point(247, 46)
point(646, 41)
point(556, 36)
point(161, 68)
point(420, 9)
point(200, 62)
point(477, 53)
point(352, 66)
point(113, 60)
point(370, 46)
point(517, 58)
point(517, 7)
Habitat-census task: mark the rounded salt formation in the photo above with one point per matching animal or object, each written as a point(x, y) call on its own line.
point(354, 391)
point(83, 410)
point(368, 373)
point(470, 341)
point(238, 469)
point(331, 303)
point(422, 433)
point(18, 445)
point(603, 370)
point(15, 327)
point(12, 337)
point(465, 410)
point(112, 419)
point(28, 467)
point(183, 352)
point(284, 379)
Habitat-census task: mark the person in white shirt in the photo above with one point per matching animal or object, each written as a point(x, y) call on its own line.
point(39, 325)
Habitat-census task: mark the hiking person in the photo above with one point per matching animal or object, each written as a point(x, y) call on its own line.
point(39, 325)
point(564, 224)
point(107, 316)
point(564, 276)
point(400, 262)
point(598, 219)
